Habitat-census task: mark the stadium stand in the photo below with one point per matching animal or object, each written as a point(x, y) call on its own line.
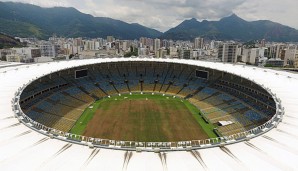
point(222, 97)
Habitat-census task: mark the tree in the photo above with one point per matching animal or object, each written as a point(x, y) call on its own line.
point(131, 49)
point(71, 56)
point(133, 52)
point(168, 51)
point(268, 65)
point(3, 58)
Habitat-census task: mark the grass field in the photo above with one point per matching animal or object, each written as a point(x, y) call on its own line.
point(145, 118)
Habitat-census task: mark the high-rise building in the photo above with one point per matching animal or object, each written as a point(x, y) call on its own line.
point(276, 51)
point(212, 44)
point(199, 43)
point(143, 41)
point(89, 45)
point(263, 43)
point(156, 45)
point(165, 43)
point(149, 42)
point(228, 52)
point(78, 42)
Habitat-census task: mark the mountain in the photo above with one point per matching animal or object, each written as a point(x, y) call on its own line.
point(26, 20)
point(9, 42)
point(232, 28)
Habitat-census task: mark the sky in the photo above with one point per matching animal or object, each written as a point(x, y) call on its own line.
point(165, 14)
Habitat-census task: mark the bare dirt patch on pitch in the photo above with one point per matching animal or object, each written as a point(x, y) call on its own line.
point(144, 120)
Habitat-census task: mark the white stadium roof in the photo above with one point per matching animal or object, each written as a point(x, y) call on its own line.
point(22, 148)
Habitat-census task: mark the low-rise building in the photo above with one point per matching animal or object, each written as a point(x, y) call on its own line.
point(185, 54)
point(275, 62)
point(290, 54)
point(43, 59)
point(252, 55)
point(19, 58)
point(49, 50)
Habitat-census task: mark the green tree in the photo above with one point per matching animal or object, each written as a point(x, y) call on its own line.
point(168, 51)
point(268, 65)
point(133, 52)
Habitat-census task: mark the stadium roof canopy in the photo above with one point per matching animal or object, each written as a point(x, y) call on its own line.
point(21, 148)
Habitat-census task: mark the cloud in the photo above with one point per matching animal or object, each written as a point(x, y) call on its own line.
point(283, 12)
point(165, 14)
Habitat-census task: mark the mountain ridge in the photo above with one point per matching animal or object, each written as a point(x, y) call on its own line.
point(232, 28)
point(67, 22)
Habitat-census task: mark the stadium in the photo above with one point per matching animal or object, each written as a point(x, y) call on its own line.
point(147, 114)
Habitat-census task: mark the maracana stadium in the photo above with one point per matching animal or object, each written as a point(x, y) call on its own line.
point(147, 114)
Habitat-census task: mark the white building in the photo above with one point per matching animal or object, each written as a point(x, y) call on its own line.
point(14, 58)
point(49, 50)
point(212, 45)
point(124, 46)
point(19, 58)
point(5, 52)
point(28, 52)
point(228, 52)
point(43, 59)
point(173, 52)
point(252, 55)
point(290, 55)
point(199, 54)
point(156, 45)
point(89, 45)
point(143, 51)
point(25, 55)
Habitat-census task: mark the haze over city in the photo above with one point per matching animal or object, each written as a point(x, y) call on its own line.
point(162, 15)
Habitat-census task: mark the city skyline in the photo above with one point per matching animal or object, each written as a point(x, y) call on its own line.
point(168, 14)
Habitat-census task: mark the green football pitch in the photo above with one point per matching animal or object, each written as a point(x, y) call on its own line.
point(144, 118)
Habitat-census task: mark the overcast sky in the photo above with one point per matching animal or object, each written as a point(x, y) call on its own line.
point(164, 14)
